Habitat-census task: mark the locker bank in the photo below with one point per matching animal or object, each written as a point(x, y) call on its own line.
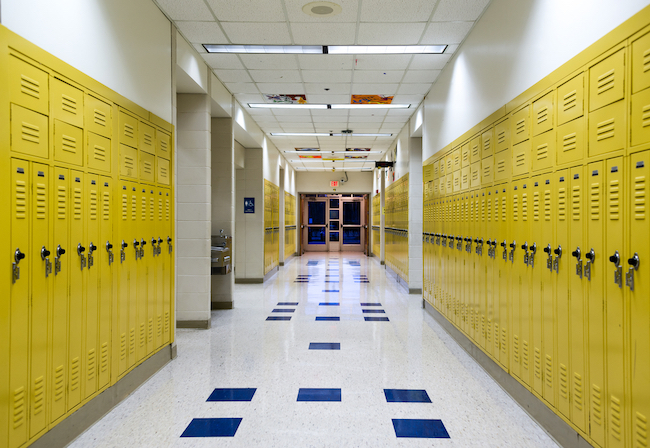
point(429, 219)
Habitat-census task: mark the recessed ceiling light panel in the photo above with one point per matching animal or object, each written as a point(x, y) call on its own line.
point(321, 9)
point(264, 49)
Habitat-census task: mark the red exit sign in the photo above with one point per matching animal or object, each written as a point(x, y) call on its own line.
point(334, 183)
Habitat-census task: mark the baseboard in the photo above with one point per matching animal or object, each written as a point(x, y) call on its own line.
point(198, 324)
point(271, 273)
point(557, 428)
point(282, 263)
point(399, 280)
point(248, 281)
point(415, 290)
point(221, 305)
point(89, 414)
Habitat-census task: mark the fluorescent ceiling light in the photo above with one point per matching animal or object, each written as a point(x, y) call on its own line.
point(305, 134)
point(326, 152)
point(370, 106)
point(326, 49)
point(326, 106)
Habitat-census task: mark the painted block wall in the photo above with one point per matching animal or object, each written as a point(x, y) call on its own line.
point(249, 244)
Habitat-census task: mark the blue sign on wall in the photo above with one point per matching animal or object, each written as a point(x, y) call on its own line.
point(249, 205)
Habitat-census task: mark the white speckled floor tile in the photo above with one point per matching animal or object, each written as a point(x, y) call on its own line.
point(242, 349)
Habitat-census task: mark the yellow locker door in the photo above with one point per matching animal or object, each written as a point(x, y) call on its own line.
point(159, 232)
point(133, 254)
point(444, 255)
point(526, 281)
point(614, 303)
point(549, 336)
point(457, 267)
point(637, 277)
point(483, 247)
point(78, 263)
point(489, 279)
point(537, 265)
point(464, 274)
point(475, 150)
point(505, 272)
point(470, 262)
point(62, 255)
point(516, 261)
point(578, 323)
point(595, 274)
point(18, 399)
point(123, 275)
point(41, 268)
point(561, 264)
point(107, 248)
point(150, 260)
point(498, 239)
point(141, 273)
point(28, 86)
point(91, 318)
point(168, 263)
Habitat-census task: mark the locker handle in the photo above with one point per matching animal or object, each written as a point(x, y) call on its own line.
point(547, 249)
point(525, 246)
point(169, 240)
point(558, 251)
point(533, 248)
point(616, 259)
point(80, 249)
point(576, 253)
point(124, 244)
point(143, 242)
point(44, 253)
point(136, 243)
point(18, 255)
point(480, 241)
point(591, 255)
point(634, 261)
point(513, 245)
point(504, 244)
point(93, 248)
point(109, 246)
point(160, 240)
point(60, 251)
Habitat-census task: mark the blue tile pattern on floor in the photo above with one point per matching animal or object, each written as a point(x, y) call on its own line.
point(406, 396)
point(287, 303)
point(239, 394)
point(319, 395)
point(324, 346)
point(330, 290)
point(283, 310)
point(375, 311)
point(312, 263)
point(422, 429)
point(331, 281)
point(329, 304)
point(328, 318)
point(212, 427)
point(375, 319)
point(278, 318)
point(370, 304)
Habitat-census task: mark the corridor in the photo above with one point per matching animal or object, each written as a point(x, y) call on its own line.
point(330, 321)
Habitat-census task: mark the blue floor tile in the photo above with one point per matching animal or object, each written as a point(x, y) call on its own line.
point(212, 427)
point(319, 395)
point(371, 304)
point(287, 303)
point(374, 311)
point(406, 396)
point(312, 263)
point(331, 281)
point(357, 281)
point(330, 290)
point(328, 318)
point(283, 310)
point(375, 319)
point(301, 281)
point(329, 304)
point(232, 394)
point(423, 429)
point(324, 346)
point(278, 318)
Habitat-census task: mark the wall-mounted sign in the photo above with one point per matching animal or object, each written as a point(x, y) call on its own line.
point(249, 205)
point(334, 183)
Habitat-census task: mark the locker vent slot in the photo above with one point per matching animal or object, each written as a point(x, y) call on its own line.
point(615, 418)
point(59, 386)
point(547, 205)
point(542, 152)
point(147, 167)
point(166, 209)
point(163, 172)
point(123, 347)
point(39, 395)
point(562, 204)
point(124, 207)
point(504, 209)
point(475, 152)
point(99, 152)
point(62, 197)
point(524, 207)
point(570, 100)
point(614, 203)
point(483, 210)
point(151, 209)
point(159, 325)
point(99, 117)
point(487, 141)
point(160, 210)
point(465, 179)
point(163, 145)
point(19, 407)
point(90, 360)
point(542, 115)
point(129, 163)
point(166, 322)
point(605, 129)
point(576, 202)
point(150, 332)
point(595, 202)
point(134, 203)
point(524, 358)
point(596, 405)
point(520, 159)
point(93, 205)
point(501, 137)
point(538, 363)
point(144, 209)
point(564, 382)
point(521, 126)
point(74, 374)
point(570, 142)
point(104, 359)
point(645, 118)
point(501, 166)
point(639, 197)
point(515, 208)
point(77, 203)
point(69, 144)
point(31, 132)
point(641, 425)
point(515, 348)
point(606, 81)
point(21, 200)
point(143, 334)
point(504, 340)
point(129, 131)
point(148, 139)
point(30, 86)
point(474, 177)
point(132, 341)
point(489, 210)
point(646, 61)
point(41, 201)
point(69, 104)
point(549, 371)
point(578, 397)
point(106, 212)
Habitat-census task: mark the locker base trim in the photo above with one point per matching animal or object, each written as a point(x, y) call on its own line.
point(271, 273)
point(557, 428)
point(248, 281)
point(398, 278)
point(196, 324)
point(415, 290)
point(221, 305)
point(89, 414)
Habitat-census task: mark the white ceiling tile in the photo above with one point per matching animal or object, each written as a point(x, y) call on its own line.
point(272, 128)
point(248, 10)
point(413, 89)
point(364, 128)
point(348, 13)
point(245, 98)
point(328, 99)
point(382, 61)
point(326, 61)
point(332, 119)
point(275, 75)
point(223, 61)
point(262, 114)
point(186, 9)
point(422, 76)
point(377, 76)
point(451, 49)
point(438, 33)
point(413, 99)
point(269, 61)
point(390, 33)
point(449, 10)
point(279, 113)
point(341, 113)
point(294, 119)
point(401, 112)
point(200, 49)
point(257, 33)
point(374, 89)
point(327, 76)
point(396, 119)
point(281, 88)
point(396, 10)
point(297, 127)
point(366, 119)
point(319, 88)
point(323, 33)
point(429, 61)
point(202, 32)
point(367, 113)
point(242, 87)
point(233, 76)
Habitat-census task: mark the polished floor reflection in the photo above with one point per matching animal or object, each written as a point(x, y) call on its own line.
point(331, 352)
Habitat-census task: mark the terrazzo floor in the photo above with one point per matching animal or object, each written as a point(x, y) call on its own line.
point(383, 339)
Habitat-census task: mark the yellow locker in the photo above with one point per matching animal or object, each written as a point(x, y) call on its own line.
point(615, 303)
point(457, 160)
point(637, 274)
point(640, 117)
point(492, 299)
point(162, 171)
point(521, 158)
point(128, 130)
point(502, 136)
point(28, 86)
point(465, 155)
point(571, 141)
point(503, 165)
point(150, 259)
point(436, 169)
point(29, 132)
point(66, 103)
point(91, 302)
point(442, 170)
point(641, 63)
point(480, 290)
point(122, 314)
point(128, 162)
point(578, 315)
point(98, 152)
point(543, 151)
point(141, 273)
point(487, 143)
point(147, 167)
point(105, 259)
point(607, 129)
point(520, 125)
point(475, 174)
point(78, 264)
point(451, 180)
point(63, 254)
point(503, 210)
point(442, 186)
point(134, 297)
point(98, 116)
point(607, 81)
point(487, 170)
point(465, 178)
point(549, 324)
point(537, 264)
point(543, 109)
point(516, 260)
point(570, 99)
point(68, 143)
point(449, 162)
point(147, 138)
point(19, 387)
point(163, 145)
point(596, 276)
point(475, 150)
point(158, 231)
point(527, 309)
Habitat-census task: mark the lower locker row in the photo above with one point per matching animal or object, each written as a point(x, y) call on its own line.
point(550, 276)
point(396, 248)
point(87, 301)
